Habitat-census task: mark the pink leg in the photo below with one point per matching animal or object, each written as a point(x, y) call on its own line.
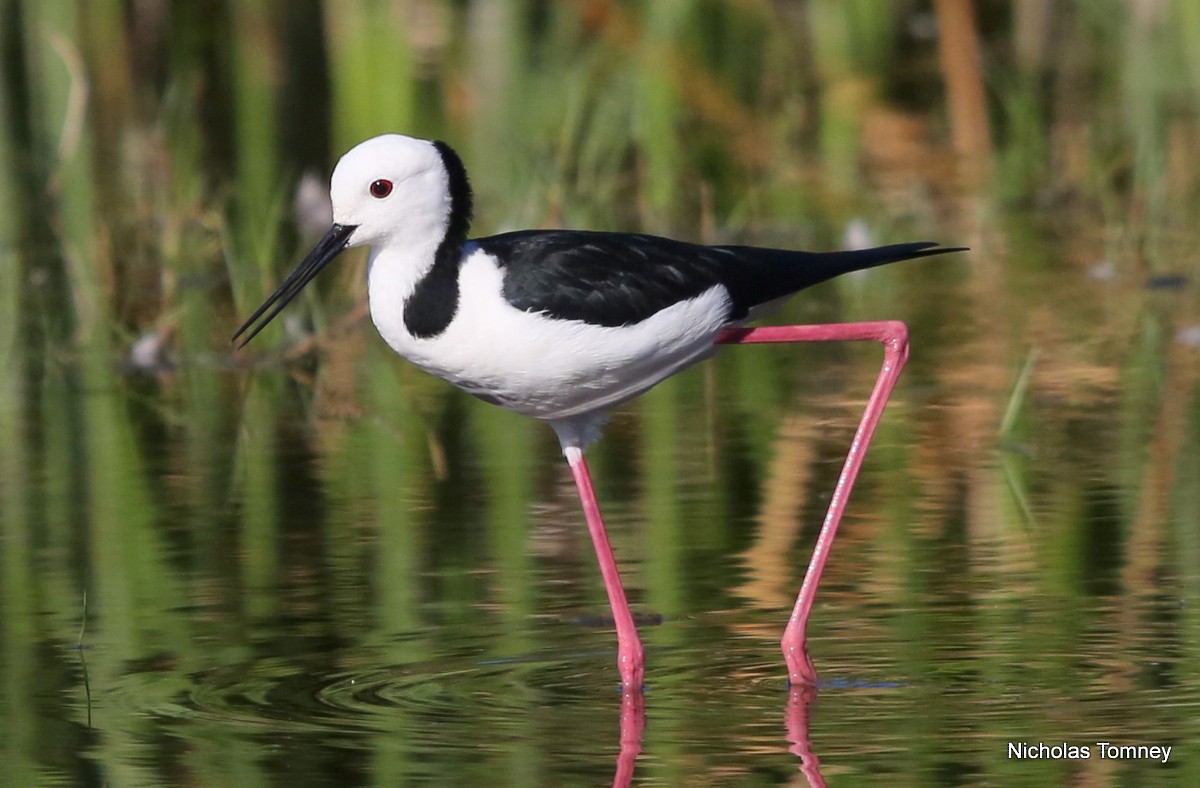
point(894, 336)
point(630, 656)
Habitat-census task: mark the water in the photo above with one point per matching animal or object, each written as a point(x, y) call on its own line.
point(240, 575)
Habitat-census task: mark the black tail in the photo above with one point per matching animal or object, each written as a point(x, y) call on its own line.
point(764, 275)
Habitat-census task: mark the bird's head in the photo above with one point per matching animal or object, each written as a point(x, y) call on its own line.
point(390, 189)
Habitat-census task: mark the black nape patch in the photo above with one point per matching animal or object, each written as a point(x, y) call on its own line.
point(434, 301)
point(461, 199)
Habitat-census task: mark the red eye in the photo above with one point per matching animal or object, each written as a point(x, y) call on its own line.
point(381, 189)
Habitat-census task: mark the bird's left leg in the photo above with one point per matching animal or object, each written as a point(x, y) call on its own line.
point(630, 655)
point(894, 336)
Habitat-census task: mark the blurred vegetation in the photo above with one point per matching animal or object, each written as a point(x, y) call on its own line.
point(160, 144)
point(1030, 512)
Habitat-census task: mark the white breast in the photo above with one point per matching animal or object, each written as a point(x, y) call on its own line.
point(537, 365)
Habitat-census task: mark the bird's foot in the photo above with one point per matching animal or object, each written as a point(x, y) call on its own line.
point(801, 671)
point(631, 662)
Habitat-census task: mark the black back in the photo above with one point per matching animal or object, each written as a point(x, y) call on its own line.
point(608, 279)
point(616, 279)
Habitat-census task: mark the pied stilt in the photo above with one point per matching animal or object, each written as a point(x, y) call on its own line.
point(562, 325)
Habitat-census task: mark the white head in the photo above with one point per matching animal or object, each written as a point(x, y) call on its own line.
point(390, 189)
point(393, 188)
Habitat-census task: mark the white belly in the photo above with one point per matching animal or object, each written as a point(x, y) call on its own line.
point(549, 368)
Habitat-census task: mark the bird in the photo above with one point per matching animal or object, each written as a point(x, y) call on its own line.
point(563, 325)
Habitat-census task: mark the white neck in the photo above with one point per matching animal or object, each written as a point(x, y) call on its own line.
point(393, 272)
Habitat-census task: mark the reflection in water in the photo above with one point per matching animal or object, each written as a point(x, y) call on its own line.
point(796, 717)
point(800, 698)
point(633, 724)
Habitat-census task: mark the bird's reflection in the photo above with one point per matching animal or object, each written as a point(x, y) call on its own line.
point(633, 723)
point(800, 698)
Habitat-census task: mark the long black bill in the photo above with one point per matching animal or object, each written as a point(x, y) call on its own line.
point(322, 255)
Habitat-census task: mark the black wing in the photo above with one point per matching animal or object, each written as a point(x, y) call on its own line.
point(617, 279)
point(608, 279)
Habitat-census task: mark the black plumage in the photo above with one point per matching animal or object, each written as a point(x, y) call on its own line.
point(617, 279)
